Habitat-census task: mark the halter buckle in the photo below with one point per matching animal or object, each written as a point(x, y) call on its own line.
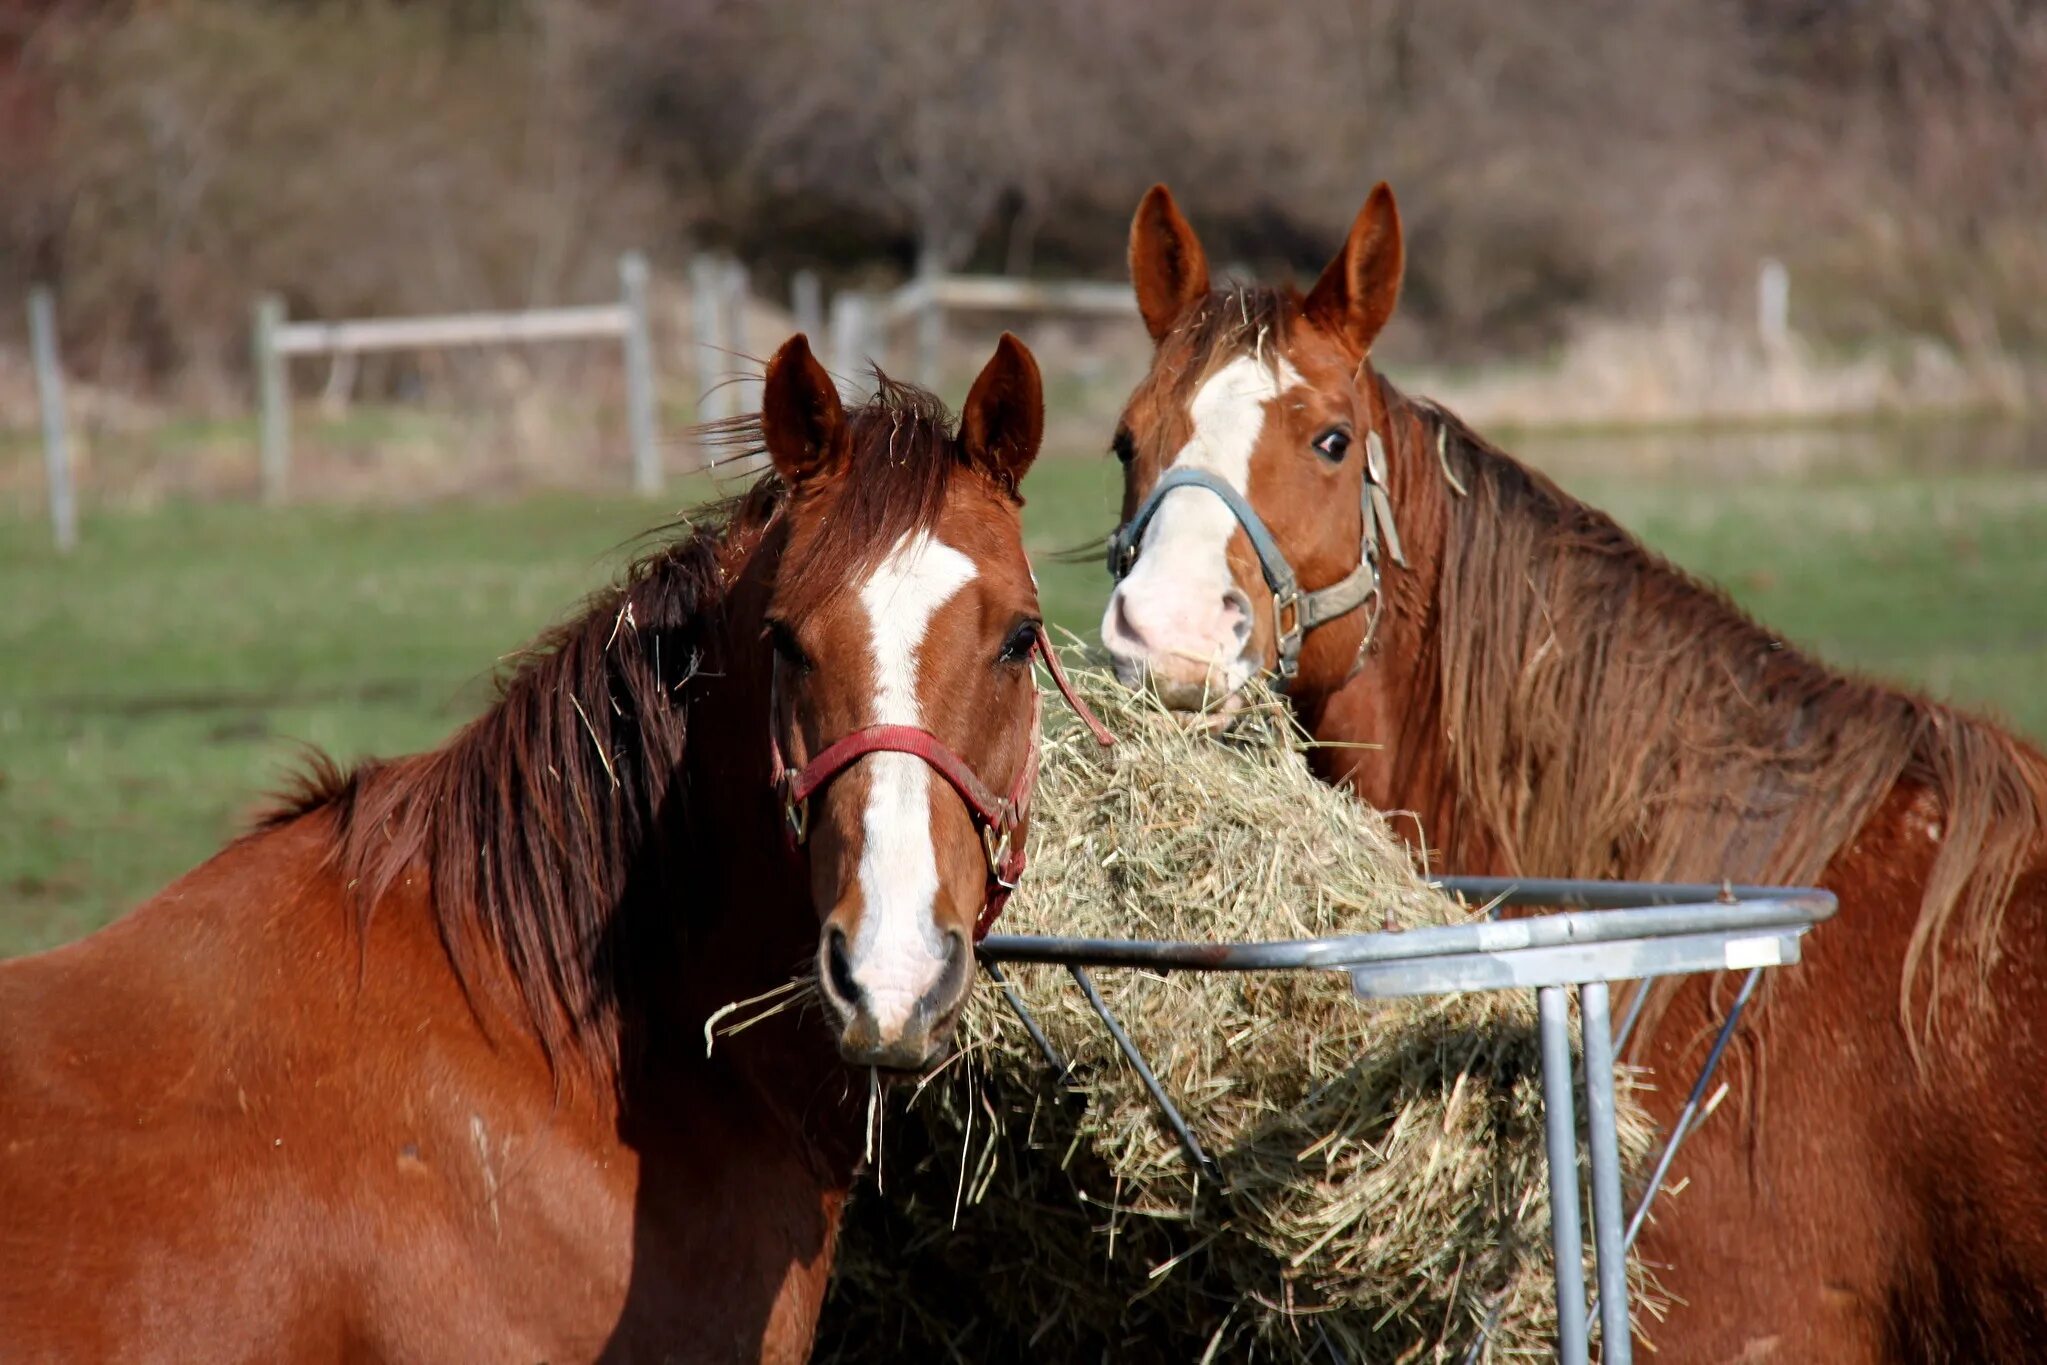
point(795, 813)
point(1122, 552)
point(997, 850)
point(1286, 627)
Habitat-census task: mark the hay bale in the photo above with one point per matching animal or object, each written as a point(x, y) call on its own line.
point(1383, 1165)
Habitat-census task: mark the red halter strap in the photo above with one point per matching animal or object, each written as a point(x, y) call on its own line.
point(996, 817)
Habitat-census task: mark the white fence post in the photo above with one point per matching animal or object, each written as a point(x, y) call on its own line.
point(639, 373)
point(852, 341)
point(930, 319)
point(710, 363)
point(42, 335)
point(806, 302)
point(737, 295)
point(1773, 303)
point(273, 399)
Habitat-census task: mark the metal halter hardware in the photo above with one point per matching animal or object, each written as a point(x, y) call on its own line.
point(1294, 613)
point(996, 818)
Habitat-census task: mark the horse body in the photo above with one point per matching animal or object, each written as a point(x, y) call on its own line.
point(1852, 1201)
point(295, 1136)
point(238, 1157)
point(418, 1069)
point(1548, 698)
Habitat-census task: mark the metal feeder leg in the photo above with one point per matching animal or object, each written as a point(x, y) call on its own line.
point(1616, 1340)
point(1567, 1238)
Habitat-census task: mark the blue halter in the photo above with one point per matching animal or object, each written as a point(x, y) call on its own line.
point(1294, 613)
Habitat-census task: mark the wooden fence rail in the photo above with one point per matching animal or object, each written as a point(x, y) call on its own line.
point(277, 340)
point(860, 322)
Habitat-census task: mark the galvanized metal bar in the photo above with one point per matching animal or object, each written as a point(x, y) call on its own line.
point(1787, 910)
point(1603, 1145)
point(1688, 1116)
point(1567, 1238)
point(42, 339)
point(1634, 1017)
point(1652, 929)
point(1058, 1063)
point(1189, 1144)
point(1582, 893)
point(1572, 964)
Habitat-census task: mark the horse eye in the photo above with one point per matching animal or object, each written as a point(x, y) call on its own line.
point(1017, 648)
point(1125, 448)
point(785, 643)
point(1332, 444)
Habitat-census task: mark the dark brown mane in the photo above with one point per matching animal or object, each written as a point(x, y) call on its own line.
point(534, 824)
point(1614, 717)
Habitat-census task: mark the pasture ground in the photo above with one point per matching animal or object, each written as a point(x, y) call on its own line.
point(156, 683)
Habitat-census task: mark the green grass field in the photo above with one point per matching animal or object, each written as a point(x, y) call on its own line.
point(156, 683)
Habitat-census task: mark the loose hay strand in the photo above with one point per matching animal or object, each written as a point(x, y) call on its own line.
point(1383, 1164)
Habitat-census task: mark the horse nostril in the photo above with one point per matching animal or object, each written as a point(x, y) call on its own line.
point(838, 971)
point(1237, 614)
point(1121, 626)
point(959, 957)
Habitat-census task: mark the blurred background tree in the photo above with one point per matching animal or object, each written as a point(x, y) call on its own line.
point(162, 161)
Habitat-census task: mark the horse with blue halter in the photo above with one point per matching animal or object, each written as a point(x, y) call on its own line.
point(1477, 647)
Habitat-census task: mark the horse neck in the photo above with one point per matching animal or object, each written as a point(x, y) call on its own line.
point(602, 861)
point(1548, 697)
point(1382, 722)
point(758, 909)
point(758, 928)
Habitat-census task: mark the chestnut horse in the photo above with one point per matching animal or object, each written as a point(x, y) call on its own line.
point(418, 1069)
point(1549, 697)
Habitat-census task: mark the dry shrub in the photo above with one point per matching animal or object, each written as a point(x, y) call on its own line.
point(1382, 1164)
point(359, 158)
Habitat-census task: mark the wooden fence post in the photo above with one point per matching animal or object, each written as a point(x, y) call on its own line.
point(273, 399)
point(735, 299)
point(1773, 303)
point(852, 341)
point(930, 319)
point(806, 302)
point(639, 374)
point(42, 334)
point(710, 363)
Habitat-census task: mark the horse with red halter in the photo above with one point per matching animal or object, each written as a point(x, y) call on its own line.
point(1550, 698)
point(418, 1069)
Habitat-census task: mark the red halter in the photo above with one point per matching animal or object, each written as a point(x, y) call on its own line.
point(996, 817)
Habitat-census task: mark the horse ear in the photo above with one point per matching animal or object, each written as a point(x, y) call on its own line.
point(1167, 266)
point(800, 412)
point(1356, 294)
point(1003, 422)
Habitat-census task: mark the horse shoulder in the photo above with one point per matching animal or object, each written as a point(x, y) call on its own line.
point(237, 1115)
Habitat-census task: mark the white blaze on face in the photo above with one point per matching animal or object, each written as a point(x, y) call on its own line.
point(1170, 605)
point(897, 954)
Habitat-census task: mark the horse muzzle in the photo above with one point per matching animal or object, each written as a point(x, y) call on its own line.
point(898, 1015)
point(1193, 648)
